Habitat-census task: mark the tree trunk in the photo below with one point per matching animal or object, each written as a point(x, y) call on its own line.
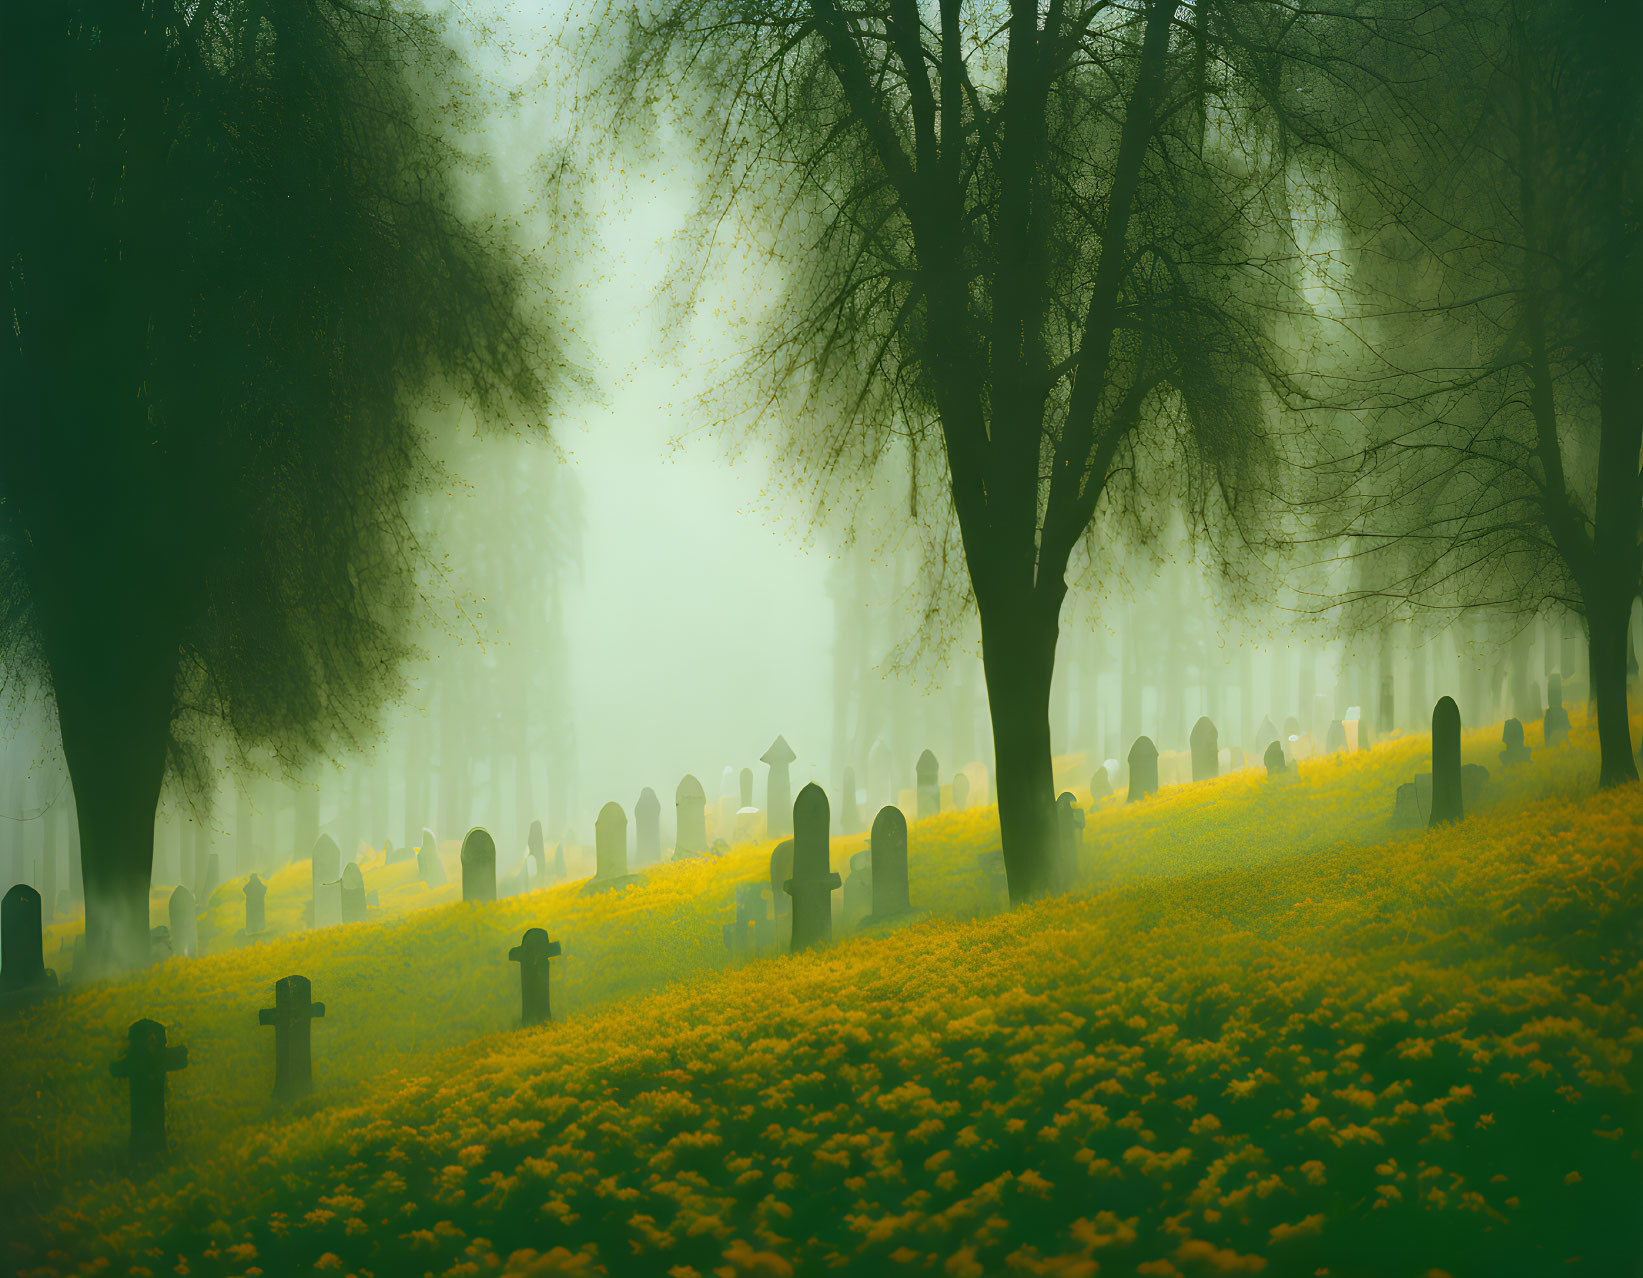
point(1608, 618)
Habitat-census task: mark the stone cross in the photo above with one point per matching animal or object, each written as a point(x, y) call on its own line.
point(478, 865)
point(1274, 758)
point(146, 1063)
point(1143, 769)
point(961, 791)
point(353, 894)
point(1069, 824)
point(1447, 803)
point(184, 933)
point(928, 772)
point(255, 918)
point(813, 883)
point(778, 791)
point(849, 817)
point(429, 868)
point(22, 941)
point(292, 1016)
point(1335, 737)
point(1206, 750)
point(690, 807)
point(781, 870)
point(647, 828)
point(745, 787)
point(325, 872)
point(610, 842)
point(536, 850)
point(532, 954)
point(1512, 738)
point(888, 844)
point(1100, 783)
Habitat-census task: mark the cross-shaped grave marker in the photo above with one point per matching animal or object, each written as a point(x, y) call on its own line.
point(292, 1016)
point(532, 954)
point(146, 1063)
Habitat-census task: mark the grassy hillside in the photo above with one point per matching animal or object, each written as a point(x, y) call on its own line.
point(1264, 1034)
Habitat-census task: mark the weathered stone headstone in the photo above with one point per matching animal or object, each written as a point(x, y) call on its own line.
point(778, 790)
point(1143, 769)
point(690, 809)
point(532, 954)
point(429, 867)
point(745, 786)
point(1555, 722)
point(858, 887)
point(146, 1063)
point(929, 785)
point(255, 917)
point(1406, 812)
point(1069, 823)
point(1474, 779)
point(888, 845)
point(184, 937)
point(610, 849)
point(1335, 737)
point(353, 893)
point(850, 820)
point(22, 942)
point(781, 870)
point(1274, 758)
point(647, 828)
point(1100, 783)
point(325, 873)
point(536, 849)
point(1512, 738)
point(478, 865)
point(961, 792)
point(813, 882)
point(1206, 750)
point(292, 1017)
point(1447, 802)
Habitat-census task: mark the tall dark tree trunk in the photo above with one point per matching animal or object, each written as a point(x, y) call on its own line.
point(1608, 617)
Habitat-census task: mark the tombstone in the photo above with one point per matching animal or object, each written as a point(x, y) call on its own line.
point(727, 802)
point(1206, 750)
point(535, 849)
point(610, 850)
point(22, 942)
point(256, 920)
point(532, 954)
point(353, 894)
point(1274, 759)
point(929, 786)
point(1447, 802)
point(1512, 738)
point(850, 820)
point(880, 782)
point(1335, 737)
point(146, 1063)
point(1264, 733)
point(478, 865)
point(1100, 784)
point(888, 845)
point(858, 887)
point(325, 873)
point(429, 867)
point(813, 883)
point(184, 938)
point(745, 786)
point(1364, 735)
point(1555, 722)
point(778, 790)
point(690, 807)
point(647, 828)
point(1143, 769)
point(781, 870)
point(1406, 811)
point(1069, 825)
point(1474, 779)
point(292, 1017)
point(961, 792)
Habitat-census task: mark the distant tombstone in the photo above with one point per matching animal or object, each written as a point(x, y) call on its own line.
point(850, 818)
point(1512, 738)
point(961, 792)
point(745, 786)
point(929, 785)
point(727, 802)
point(478, 865)
point(647, 828)
point(429, 867)
point(610, 847)
point(858, 887)
point(1274, 759)
point(184, 938)
point(1100, 784)
point(888, 845)
point(532, 954)
point(1292, 729)
point(325, 870)
point(1364, 735)
point(1447, 802)
point(880, 783)
point(1266, 732)
point(1474, 779)
point(353, 894)
point(292, 1017)
point(1143, 769)
point(1206, 750)
point(778, 789)
point(1555, 722)
point(256, 920)
point(813, 883)
point(536, 850)
point(781, 870)
point(1069, 824)
point(146, 1063)
point(690, 806)
point(1406, 812)
point(1335, 737)
point(22, 942)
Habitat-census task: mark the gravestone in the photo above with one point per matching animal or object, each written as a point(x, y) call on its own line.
point(1364, 735)
point(429, 867)
point(745, 786)
point(1555, 722)
point(690, 809)
point(781, 870)
point(536, 848)
point(851, 819)
point(1335, 737)
point(478, 865)
point(929, 786)
point(292, 1017)
point(1100, 784)
point(146, 1063)
point(256, 920)
point(813, 883)
point(858, 887)
point(888, 846)
point(1206, 750)
point(1265, 733)
point(184, 938)
point(727, 802)
point(961, 792)
point(1274, 758)
point(610, 850)
point(1447, 802)
point(325, 873)
point(22, 942)
point(778, 791)
point(1069, 825)
point(1406, 810)
point(532, 954)
point(1474, 779)
point(1512, 738)
point(1143, 769)
point(647, 828)
point(880, 782)
point(353, 894)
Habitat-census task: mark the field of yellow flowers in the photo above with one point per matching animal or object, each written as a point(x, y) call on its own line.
point(1264, 1036)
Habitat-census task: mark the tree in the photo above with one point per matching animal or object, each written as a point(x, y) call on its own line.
point(235, 265)
point(1051, 238)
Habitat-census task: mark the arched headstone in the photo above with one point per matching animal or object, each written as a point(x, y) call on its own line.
point(929, 785)
point(184, 934)
point(961, 792)
point(1100, 783)
point(22, 941)
point(325, 872)
point(1206, 750)
point(647, 828)
point(813, 882)
point(888, 845)
point(1447, 802)
point(690, 815)
point(429, 868)
point(1143, 769)
point(1069, 823)
point(1274, 759)
point(353, 893)
point(610, 842)
point(478, 865)
point(1512, 738)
